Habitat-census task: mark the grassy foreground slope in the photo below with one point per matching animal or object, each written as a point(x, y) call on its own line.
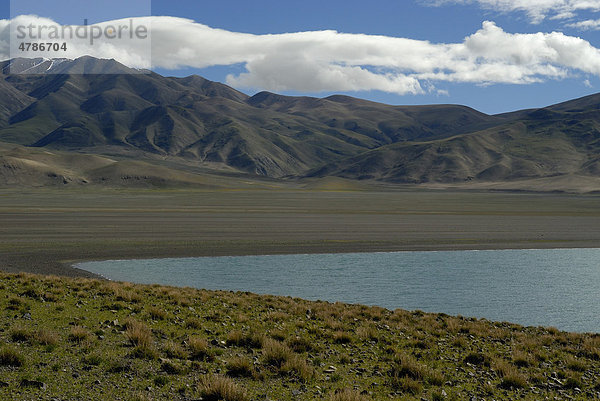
point(72, 339)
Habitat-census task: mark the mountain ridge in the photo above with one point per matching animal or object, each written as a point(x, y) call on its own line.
point(97, 106)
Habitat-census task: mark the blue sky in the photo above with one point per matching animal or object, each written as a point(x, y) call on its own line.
point(421, 20)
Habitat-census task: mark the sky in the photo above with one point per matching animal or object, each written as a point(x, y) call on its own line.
point(493, 55)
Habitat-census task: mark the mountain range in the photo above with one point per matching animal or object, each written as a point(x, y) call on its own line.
point(93, 121)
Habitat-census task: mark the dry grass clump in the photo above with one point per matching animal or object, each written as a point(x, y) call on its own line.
point(78, 334)
point(193, 323)
point(122, 293)
point(347, 395)
point(240, 367)
point(341, 337)
point(21, 334)
point(591, 347)
point(236, 338)
point(407, 374)
point(176, 297)
point(199, 349)
point(406, 366)
point(275, 353)
point(175, 350)
point(248, 340)
point(140, 336)
point(522, 359)
point(367, 333)
point(219, 388)
point(11, 357)
point(15, 303)
point(156, 313)
point(510, 376)
point(408, 385)
point(299, 345)
point(46, 337)
point(277, 316)
point(138, 333)
point(298, 368)
point(575, 364)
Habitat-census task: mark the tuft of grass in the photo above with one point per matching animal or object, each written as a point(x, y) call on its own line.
point(21, 334)
point(219, 388)
point(367, 333)
point(235, 338)
point(408, 385)
point(299, 345)
point(140, 337)
point(513, 381)
point(156, 313)
point(199, 349)
point(298, 368)
point(15, 303)
point(125, 295)
point(46, 337)
point(78, 334)
point(576, 365)
point(341, 337)
point(510, 376)
point(138, 333)
point(406, 366)
point(275, 353)
point(240, 367)
point(11, 357)
point(175, 350)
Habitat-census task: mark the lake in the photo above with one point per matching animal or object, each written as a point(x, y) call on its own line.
point(559, 287)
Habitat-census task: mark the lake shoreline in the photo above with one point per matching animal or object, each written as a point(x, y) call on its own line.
point(527, 286)
point(63, 263)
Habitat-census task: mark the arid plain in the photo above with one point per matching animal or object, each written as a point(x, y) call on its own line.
point(47, 230)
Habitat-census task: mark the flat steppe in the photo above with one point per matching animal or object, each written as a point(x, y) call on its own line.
point(47, 230)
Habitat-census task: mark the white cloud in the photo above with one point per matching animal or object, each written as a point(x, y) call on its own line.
point(332, 61)
point(587, 25)
point(537, 10)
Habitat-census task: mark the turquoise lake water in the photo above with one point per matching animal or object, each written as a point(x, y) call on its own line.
point(558, 288)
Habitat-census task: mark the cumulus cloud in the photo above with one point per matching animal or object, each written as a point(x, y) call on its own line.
point(537, 10)
point(331, 61)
